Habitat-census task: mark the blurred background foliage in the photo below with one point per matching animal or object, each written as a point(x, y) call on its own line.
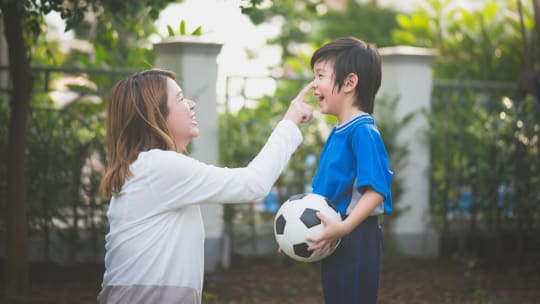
point(497, 134)
point(65, 132)
point(485, 44)
point(486, 58)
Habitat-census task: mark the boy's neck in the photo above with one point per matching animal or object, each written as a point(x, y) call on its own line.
point(348, 115)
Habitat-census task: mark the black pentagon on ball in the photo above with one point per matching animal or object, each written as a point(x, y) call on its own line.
point(297, 197)
point(309, 217)
point(280, 224)
point(301, 250)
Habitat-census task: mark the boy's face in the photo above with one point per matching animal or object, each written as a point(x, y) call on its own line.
point(324, 88)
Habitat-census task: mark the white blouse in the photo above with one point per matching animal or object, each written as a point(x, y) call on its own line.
point(155, 246)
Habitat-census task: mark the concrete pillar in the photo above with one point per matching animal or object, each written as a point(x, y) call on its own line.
point(194, 62)
point(407, 75)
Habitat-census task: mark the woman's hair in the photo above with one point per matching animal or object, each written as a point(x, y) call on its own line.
point(352, 55)
point(136, 122)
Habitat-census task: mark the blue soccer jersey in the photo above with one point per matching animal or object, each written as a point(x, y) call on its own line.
point(354, 158)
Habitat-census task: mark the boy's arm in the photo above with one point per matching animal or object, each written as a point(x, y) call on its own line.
point(336, 230)
point(367, 203)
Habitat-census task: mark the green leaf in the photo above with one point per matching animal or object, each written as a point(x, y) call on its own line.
point(197, 31)
point(182, 27)
point(170, 30)
point(404, 21)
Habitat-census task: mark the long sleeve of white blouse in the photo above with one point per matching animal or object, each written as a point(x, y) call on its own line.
point(180, 180)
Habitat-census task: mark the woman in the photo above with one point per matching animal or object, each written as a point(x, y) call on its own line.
point(154, 249)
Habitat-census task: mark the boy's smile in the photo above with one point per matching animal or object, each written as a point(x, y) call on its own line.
point(324, 86)
point(331, 99)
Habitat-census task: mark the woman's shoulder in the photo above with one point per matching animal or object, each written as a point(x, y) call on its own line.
point(160, 153)
point(156, 164)
point(160, 158)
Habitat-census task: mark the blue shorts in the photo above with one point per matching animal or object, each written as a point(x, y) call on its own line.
point(351, 274)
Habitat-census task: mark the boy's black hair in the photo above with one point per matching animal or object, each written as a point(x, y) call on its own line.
point(352, 55)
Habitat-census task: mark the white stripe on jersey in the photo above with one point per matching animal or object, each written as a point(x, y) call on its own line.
point(355, 197)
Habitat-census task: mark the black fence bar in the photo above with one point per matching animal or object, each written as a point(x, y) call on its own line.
point(114, 74)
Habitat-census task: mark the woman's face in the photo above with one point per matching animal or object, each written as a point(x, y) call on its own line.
point(181, 119)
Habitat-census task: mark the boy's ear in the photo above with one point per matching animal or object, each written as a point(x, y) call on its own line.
point(350, 82)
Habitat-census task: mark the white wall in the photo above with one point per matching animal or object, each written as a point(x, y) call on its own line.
point(407, 74)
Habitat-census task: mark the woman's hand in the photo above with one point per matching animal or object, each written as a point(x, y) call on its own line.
point(299, 111)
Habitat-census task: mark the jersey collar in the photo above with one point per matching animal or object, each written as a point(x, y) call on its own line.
point(360, 118)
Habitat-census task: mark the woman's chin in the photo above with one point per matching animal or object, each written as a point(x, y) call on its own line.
point(195, 133)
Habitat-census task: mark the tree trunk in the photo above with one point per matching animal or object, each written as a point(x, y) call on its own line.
point(17, 276)
point(536, 6)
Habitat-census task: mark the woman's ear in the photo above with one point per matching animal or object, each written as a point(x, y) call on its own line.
point(350, 82)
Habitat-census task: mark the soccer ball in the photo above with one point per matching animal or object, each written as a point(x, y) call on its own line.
point(296, 220)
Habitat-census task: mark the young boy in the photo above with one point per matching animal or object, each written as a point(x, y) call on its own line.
point(353, 171)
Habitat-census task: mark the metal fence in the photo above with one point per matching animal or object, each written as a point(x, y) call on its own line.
point(251, 107)
point(485, 171)
point(65, 153)
point(485, 176)
point(484, 141)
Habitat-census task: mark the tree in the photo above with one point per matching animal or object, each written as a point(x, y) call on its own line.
point(536, 7)
point(490, 171)
point(318, 21)
point(365, 21)
point(22, 20)
point(483, 44)
point(115, 40)
point(16, 238)
point(296, 18)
